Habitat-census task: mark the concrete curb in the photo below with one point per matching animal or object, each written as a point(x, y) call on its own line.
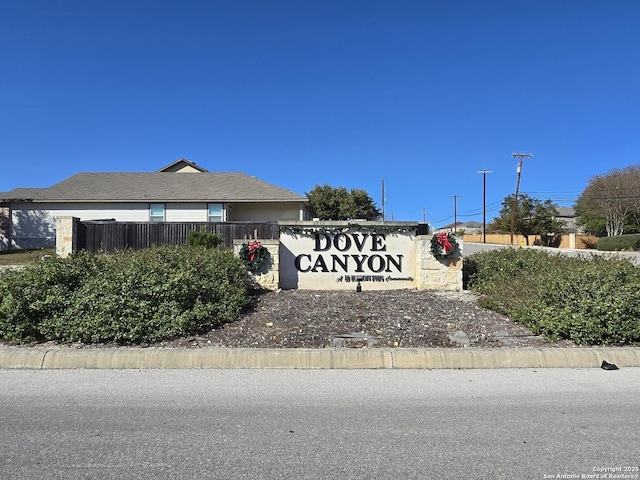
point(343, 358)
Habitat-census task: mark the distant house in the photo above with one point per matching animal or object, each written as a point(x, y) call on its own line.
point(468, 227)
point(567, 216)
point(179, 192)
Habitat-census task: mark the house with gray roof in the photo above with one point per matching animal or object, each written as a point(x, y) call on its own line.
point(467, 227)
point(567, 216)
point(179, 192)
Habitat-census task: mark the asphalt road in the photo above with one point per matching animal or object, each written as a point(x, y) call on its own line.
point(317, 424)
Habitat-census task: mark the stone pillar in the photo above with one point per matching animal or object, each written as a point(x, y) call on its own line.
point(434, 274)
point(269, 276)
point(66, 236)
point(5, 228)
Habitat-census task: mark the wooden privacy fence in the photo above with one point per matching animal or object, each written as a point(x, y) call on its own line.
point(108, 236)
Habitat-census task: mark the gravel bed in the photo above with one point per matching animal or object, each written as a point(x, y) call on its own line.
point(397, 318)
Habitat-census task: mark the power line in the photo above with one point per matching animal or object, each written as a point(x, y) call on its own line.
point(614, 197)
point(478, 211)
point(492, 207)
point(476, 214)
point(471, 213)
point(559, 191)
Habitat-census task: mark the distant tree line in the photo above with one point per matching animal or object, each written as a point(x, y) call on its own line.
point(338, 203)
point(532, 217)
point(610, 205)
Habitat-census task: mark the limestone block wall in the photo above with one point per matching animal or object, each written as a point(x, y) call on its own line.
point(269, 277)
point(66, 236)
point(430, 273)
point(434, 274)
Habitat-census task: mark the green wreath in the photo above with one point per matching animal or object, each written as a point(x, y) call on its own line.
point(254, 255)
point(444, 246)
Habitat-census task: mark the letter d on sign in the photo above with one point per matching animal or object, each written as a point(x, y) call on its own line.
point(327, 242)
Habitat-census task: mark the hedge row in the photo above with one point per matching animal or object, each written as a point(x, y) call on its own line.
point(128, 297)
point(620, 242)
point(590, 300)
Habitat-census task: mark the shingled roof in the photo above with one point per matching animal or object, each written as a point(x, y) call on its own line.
point(180, 164)
point(156, 187)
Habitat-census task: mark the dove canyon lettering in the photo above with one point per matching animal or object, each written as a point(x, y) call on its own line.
point(349, 252)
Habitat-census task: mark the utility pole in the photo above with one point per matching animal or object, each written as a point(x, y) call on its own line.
point(383, 201)
point(521, 156)
point(455, 213)
point(484, 204)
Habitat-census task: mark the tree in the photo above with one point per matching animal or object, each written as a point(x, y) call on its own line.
point(533, 217)
point(611, 202)
point(329, 203)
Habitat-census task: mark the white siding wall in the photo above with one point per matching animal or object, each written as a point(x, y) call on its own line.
point(265, 212)
point(185, 212)
point(33, 225)
point(122, 212)
point(32, 228)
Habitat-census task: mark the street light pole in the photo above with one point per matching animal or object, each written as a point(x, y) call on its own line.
point(484, 204)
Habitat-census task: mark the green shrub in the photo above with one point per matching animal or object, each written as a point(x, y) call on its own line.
point(129, 297)
point(40, 291)
point(594, 303)
point(203, 239)
point(590, 300)
point(620, 242)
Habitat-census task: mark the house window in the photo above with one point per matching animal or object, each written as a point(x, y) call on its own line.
point(156, 212)
point(215, 212)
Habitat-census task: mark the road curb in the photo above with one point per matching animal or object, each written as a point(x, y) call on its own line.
point(345, 358)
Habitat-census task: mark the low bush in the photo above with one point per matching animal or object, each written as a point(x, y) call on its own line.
point(128, 297)
point(619, 243)
point(203, 239)
point(589, 300)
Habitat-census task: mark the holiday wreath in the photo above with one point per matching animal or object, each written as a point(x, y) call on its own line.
point(443, 246)
point(254, 255)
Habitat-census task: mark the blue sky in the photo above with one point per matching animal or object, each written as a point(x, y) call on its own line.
point(422, 94)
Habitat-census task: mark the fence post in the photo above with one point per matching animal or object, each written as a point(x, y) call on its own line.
point(66, 236)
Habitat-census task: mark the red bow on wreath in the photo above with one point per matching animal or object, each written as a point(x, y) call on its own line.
point(443, 241)
point(253, 250)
